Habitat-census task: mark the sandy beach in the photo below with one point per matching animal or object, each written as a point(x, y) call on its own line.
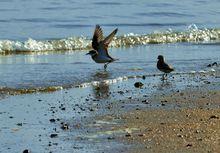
point(185, 129)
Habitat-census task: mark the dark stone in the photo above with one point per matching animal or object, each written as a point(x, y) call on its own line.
point(140, 134)
point(138, 84)
point(189, 145)
point(121, 92)
point(19, 124)
point(54, 135)
point(65, 126)
point(26, 151)
point(162, 104)
point(63, 108)
point(145, 102)
point(214, 117)
point(127, 135)
point(52, 120)
point(110, 138)
point(215, 64)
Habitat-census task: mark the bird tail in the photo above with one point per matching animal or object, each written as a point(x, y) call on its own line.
point(115, 59)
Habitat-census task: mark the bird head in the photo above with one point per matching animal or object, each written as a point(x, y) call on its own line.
point(92, 53)
point(160, 57)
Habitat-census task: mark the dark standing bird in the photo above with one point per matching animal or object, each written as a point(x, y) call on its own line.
point(163, 66)
point(100, 47)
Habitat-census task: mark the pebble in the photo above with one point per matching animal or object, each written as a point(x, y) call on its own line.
point(145, 102)
point(19, 124)
point(141, 134)
point(127, 135)
point(52, 120)
point(26, 151)
point(189, 145)
point(138, 84)
point(65, 126)
point(110, 138)
point(214, 117)
point(54, 135)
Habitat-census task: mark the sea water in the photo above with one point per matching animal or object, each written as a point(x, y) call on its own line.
point(43, 43)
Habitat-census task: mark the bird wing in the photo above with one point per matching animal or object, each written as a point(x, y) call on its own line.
point(97, 37)
point(167, 67)
point(106, 42)
point(109, 38)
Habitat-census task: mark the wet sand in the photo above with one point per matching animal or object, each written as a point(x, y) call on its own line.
point(178, 115)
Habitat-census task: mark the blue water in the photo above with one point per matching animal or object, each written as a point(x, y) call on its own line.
point(49, 19)
point(53, 20)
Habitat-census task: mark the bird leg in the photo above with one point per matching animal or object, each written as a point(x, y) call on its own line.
point(164, 77)
point(106, 64)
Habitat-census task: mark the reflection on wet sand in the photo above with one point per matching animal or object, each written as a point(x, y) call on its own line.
point(165, 84)
point(101, 90)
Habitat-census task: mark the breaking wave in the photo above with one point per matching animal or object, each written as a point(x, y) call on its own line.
point(192, 34)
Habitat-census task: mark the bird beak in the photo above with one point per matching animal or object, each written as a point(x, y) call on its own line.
point(87, 53)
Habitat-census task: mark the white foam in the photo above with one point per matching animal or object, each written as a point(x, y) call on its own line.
point(192, 34)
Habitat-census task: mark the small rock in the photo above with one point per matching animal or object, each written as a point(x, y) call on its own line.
point(138, 84)
point(214, 117)
point(207, 82)
point(213, 64)
point(63, 108)
point(180, 136)
point(127, 135)
point(110, 138)
point(52, 120)
point(65, 126)
point(91, 109)
point(143, 77)
point(141, 134)
point(19, 124)
point(54, 135)
point(26, 151)
point(145, 102)
point(121, 92)
point(162, 104)
point(189, 145)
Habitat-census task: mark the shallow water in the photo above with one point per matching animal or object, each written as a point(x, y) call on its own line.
point(52, 63)
point(71, 69)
